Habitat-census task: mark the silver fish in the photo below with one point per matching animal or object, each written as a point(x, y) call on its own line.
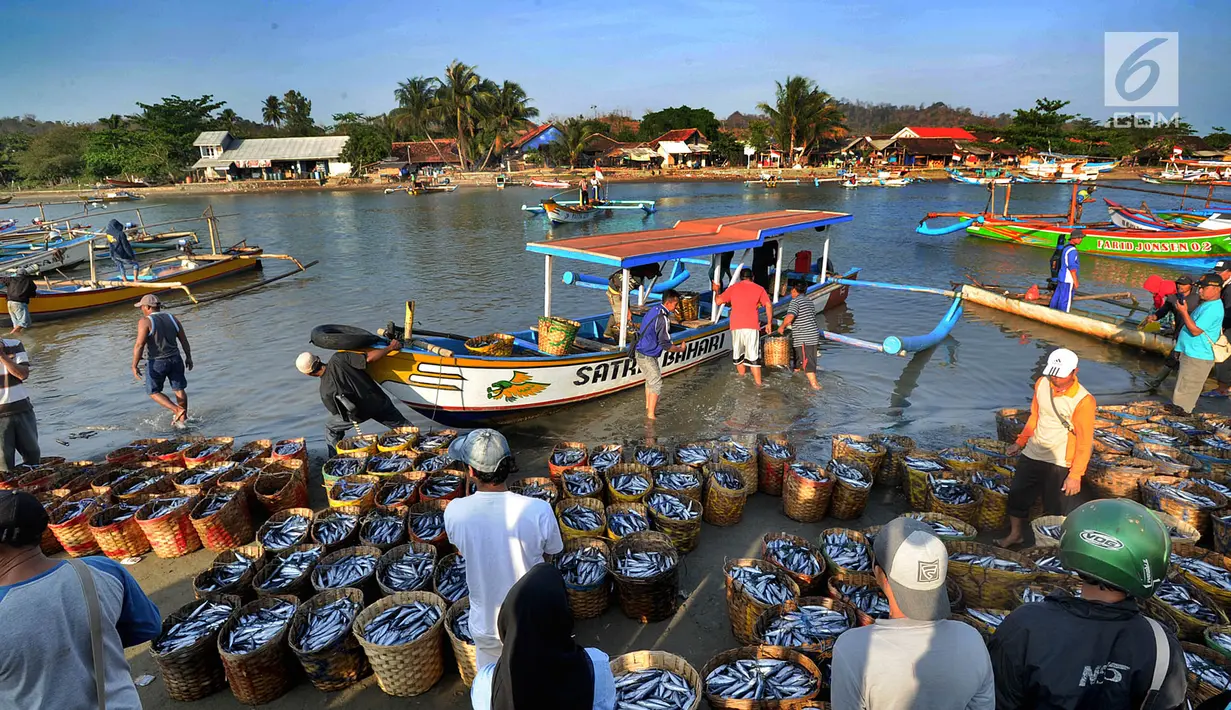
point(581, 485)
point(345, 572)
point(989, 561)
point(806, 626)
point(333, 529)
point(567, 457)
point(136, 483)
point(760, 679)
point(809, 471)
point(860, 446)
point(1216, 442)
point(428, 526)
point(796, 558)
point(1158, 436)
point(1211, 574)
point(461, 627)
point(643, 565)
point(778, 451)
point(347, 490)
point(1051, 564)
point(434, 442)
point(441, 486)
point(1216, 676)
point(627, 522)
point(847, 553)
point(764, 587)
point(654, 458)
point(990, 618)
point(733, 452)
point(693, 455)
point(728, 480)
point(287, 533)
point(1114, 441)
point(1210, 483)
point(1051, 531)
point(409, 573)
point(925, 465)
point(958, 457)
point(200, 476)
point(869, 600)
point(1185, 427)
point(630, 484)
point(579, 517)
point(164, 506)
point(209, 451)
point(584, 567)
point(326, 624)
point(434, 464)
point(395, 493)
point(1179, 493)
point(125, 511)
point(401, 624)
point(991, 482)
point(344, 466)
point(205, 619)
point(288, 448)
point(653, 689)
point(1030, 595)
point(670, 506)
point(451, 579)
point(849, 474)
point(939, 527)
point(383, 529)
point(394, 440)
point(674, 481)
point(221, 576)
point(257, 628)
point(287, 569)
point(390, 464)
point(605, 459)
point(1222, 639)
point(538, 490)
point(950, 490)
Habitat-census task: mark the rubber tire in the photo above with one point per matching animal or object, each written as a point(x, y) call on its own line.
point(342, 337)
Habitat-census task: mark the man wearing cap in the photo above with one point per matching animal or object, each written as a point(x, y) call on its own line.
point(1222, 268)
point(1066, 279)
point(349, 392)
point(503, 534)
point(1200, 329)
point(917, 658)
point(20, 289)
point(1055, 444)
point(1183, 291)
point(158, 334)
point(47, 659)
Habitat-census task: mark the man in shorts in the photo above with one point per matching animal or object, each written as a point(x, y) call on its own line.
point(160, 335)
point(805, 333)
point(653, 341)
point(746, 298)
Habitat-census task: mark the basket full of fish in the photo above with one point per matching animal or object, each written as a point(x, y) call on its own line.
point(289, 573)
point(1170, 460)
point(956, 497)
point(286, 529)
point(864, 595)
point(1181, 532)
point(540, 487)
point(774, 456)
point(353, 567)
point(846, 551)
point(1047, 530)
point(852, 486)
point(581, 517)
point(626, 519)
point(695, 454)
point(321, 639)
point(678, 516)
point(807, 491)
point(1209, 672)
point(1049, 568)
point(994, 507)
point(1192, 609)
point(679, 479)
point(663, 679)
point(358, 489)
point(861, 449)
point(426, 523)
point(808, 624)
point(402, 438)
point(443, 486)
point(652, 456)
point(389, 464)
point(987, 574)
point(604, 456)
point(760, 677)
point(1214, 448)
point(985, 621)
point(197, 481)
point(406, 568)
point(629, 483)
point(209, 451)
point(946, 527)
point(436, 442)
point(382, 530)
point(336, 528)
point(800, 559)
point(1115, 440)
point(1218, 637)
point(583, 563)
point(165, 523)
point(401, 635)
point(341, 466)
point(254, 653)
point(231, 572)
point(457, 628)
point(566, 455)
point(918, 466)
point(398, 492)
point(645, 569)
point(449, 578)
point(581, 482)
point(724, 495)
point(186, 650)
point(752, 586)
point(1187, 500)
point(741, 457)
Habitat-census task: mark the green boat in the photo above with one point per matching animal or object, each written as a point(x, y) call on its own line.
point(1196, 249)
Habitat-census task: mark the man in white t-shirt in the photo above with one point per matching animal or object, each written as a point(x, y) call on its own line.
point(500, 534)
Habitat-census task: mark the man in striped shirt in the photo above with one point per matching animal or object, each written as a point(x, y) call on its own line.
point(805, 333)
point(18, 429)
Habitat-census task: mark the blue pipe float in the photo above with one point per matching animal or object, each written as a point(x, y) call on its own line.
point(923, 228)
point(597, 282)
point(895, 287)
point(914, 343)
point(855, 342)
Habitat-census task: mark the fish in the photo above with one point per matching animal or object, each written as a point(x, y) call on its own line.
point(441, 486)
point(199, 477)
point(988, 561)
point(581, 485)
point(140, 483)
point(627, 522)
point(568, 457)
point(204, 619)
point(629, 484)
point(1162, 456)
point(991, 482)
point(434, 442)
point(394, 440)
point(693, 454)
point(923, 464)
point(1211, 574)
point(1051, 564)
point(434, 464)
point(860, 446)
point(285, 533)
point(793, 557)
point(939, 527)
point(1051, 531)
point(409, 573)
point(869, 600)
point(1186, 427)
point(428, 526)
point(345, 466)
point(401, 624)
point(396, 493)
point(765, 587)
point(451, 579)
point(1210, 483)
point(733, 452)
point(579, 517)
point(673, 507)
point(958, 457)
point(1217, 676)
point(847, 553)
point(124, 512)
point(1221, 638)
point(728, 480)
point(849, 475)
point(257, 628)
point(288, 447)
point(1157, 436)
point(220, 576)
point(990, 618)
point(1216, 442)
point(160, 507)
point(584, 567)
point(1178, 492)
point(653, 458)
point(334, 529)
point(653, 689)
point(760, 679)
point(1113, 440)
point(674, 481)
point(806, 626)
point(774, 450)
point(326, 624)
point(951, 490)
point(810, 471)
point(345, 572)
point(605, 459)
point(68, 511)
point(1030, 595)
point(208, 451)
point(461, 626)
point(287, 569)
point(390, 464)
point(643, 565)
point(543, 492)
point(347, 490)
point(383, 529)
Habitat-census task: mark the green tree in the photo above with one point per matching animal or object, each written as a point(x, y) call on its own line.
point(461, 94)
point(1219, 139)
point(227, 119)
point(54, 155)
point(575, 134)
point(344, 121)
point(12, 144)
point(802, 115)
point(505, 117)
point(366, 144)
point(297, 113)
point(271, 111)
point(726, 150)
point(1039, 127)
point(656, 123)
point(172, 125)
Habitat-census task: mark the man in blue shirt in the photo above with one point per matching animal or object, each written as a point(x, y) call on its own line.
point(1195, 343)
point(653, 340)
point(1066, 280)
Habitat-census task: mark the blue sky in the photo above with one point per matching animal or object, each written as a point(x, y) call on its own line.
point(76, 60)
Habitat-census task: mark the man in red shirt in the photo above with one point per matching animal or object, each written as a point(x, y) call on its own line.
point(746, 298)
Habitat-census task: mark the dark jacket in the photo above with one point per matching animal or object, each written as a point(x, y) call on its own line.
point(20, 288)
point(117, 242)
point(1066, 653)
point(1193, 299)
point(1226, 303)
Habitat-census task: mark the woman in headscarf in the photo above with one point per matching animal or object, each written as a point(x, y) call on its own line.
point(541, 665)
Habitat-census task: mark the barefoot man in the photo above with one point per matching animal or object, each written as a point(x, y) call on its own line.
point(157, 334)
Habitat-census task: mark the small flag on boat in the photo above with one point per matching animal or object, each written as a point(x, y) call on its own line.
point(598, 174)
point(1177, 150)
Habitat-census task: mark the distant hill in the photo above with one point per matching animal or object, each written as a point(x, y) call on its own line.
point(864, 118)
point(27, 124)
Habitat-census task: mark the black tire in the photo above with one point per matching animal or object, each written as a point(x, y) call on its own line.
point(342, 337)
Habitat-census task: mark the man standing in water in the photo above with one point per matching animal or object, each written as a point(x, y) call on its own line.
point(746, 299)
point(1066, 277)
point(349, 392)
point(157, 333)
point(653, 340)
point(805, 334)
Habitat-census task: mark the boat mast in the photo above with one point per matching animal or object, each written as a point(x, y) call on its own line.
point(777, 280)
point(623, 308)
point(547, 286)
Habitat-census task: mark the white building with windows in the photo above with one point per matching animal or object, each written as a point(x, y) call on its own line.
point(224, 157)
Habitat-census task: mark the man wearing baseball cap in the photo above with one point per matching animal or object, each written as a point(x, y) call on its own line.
point(1066, 276)
point(1183, 291)
point(1055, 444)
point(159, 336)
point(1222, 269)
point(504, 533)
point(1200, 330)
point(349, 393)
point(46, 659)
point(916, 658)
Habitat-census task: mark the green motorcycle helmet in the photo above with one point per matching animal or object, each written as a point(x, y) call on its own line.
point(1119, 543)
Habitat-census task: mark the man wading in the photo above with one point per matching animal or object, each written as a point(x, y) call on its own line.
point(157, 333)
point(746, 299)
point(653, 341)
point(349, 392)
point(805, 334)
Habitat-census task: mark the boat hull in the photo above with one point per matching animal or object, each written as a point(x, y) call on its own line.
point(568, 214)
point(1196, 249)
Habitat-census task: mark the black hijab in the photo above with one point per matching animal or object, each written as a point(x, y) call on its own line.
point(541, 665)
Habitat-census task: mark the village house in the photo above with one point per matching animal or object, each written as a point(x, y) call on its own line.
point(682, 147)
point(429, 157)
point(953, 134)
point(224, 157)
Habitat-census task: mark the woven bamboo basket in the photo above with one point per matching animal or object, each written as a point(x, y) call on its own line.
point(693, 491)
point(339, 664)
point(543, 488)
point(554, 470)
point(126, 455)
point(1199, 689)
point(594, 504)
point(587, 602)
point(1183, 532)
point(859, 579)
point(843, 451)
point(743, 609)
point(659, 452)
point(1041, 540)
point(47, 541)
point(835, 570)
point(985, 588)
point(683, 533)
point(729, 453)
point(707, 445)
point(653, 598)
point(1010, 422)
point(398, 553)
point(1103, 446)
point(1169, 460)
point(1198, 517)
point(1155, 432)
point(141, 487)
point(194, 671)
point(963, 460)
point(1057, 577)
point(638, 661)
point(603, 448)
point(107, 475)
point(447, 561)
point(365, 502)
point(365, 532)
point(776, 351)
point(409, 669)
point(723, 506)
point(278, 518)
point(118, 539)
point(629, 469)
point(255, 449)
point(242, 587)
point(804, 499)
point(172, 534)
point(985, 629)
point(1118, 476)
point(491, 345)
point(556, 335)
point(228, 528)
point(364, 444)
point(1219, 423)
point(386, 495)
point(585, 476)
point(1209, 634)
point(994, 508)
point(966, 512)
point(342, 465)
point(171, 452)
point(966, 531)
point(1071, 586)
point(200, 454)
point(441, 541)
point(1219, 594)
point(280, 491)
point(815, 651)
point(1212, 449)
point(367, 584)
point(240, 478)
point(178, 475)
point(455, 492)
point(300, 588)
point(848, 500)
point(896, 447)
point(758, 652)
point(385, 465)
point(463, 649)
point(916, 479)
point(349, 540)
point(1220, 527)
point(397, 439)
point(995, 449)
point(770, 470)
point(640, 508)
point(809, 584)
point(73, 533)
point(263, 675)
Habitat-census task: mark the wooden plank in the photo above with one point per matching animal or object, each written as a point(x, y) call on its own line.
point(593, 345)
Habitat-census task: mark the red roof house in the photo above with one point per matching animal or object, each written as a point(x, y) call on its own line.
point(957, 134)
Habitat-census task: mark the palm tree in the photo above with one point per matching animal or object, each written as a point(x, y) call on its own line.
point(271, 111)
point(507, 115)
point(461, 95)
point(802, 114)
point(417, 107)
point(575, 134)
point(228, 118)
point(114, 122)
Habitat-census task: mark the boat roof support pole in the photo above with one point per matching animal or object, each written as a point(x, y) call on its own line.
point(93, 266)
point(777, 280)
point(624, 308)
point(824, 264)
point(547, 286)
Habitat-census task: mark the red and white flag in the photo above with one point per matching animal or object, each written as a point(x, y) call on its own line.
point(1177, 150)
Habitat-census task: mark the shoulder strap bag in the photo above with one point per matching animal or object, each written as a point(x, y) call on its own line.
point(1162, 661)
point(94, 614)
point(1051, 399)
point(1221, 347)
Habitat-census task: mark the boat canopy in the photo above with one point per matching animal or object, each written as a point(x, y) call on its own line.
point(688, 238)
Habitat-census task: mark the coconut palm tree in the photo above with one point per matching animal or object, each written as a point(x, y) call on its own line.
point(506, 116)
point(575, 133)
point(271, 111)
point(228, 118)
point(461, 95)
point(802, 114)
point(417, 107)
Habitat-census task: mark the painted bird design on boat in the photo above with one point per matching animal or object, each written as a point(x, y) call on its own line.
point(519, 386)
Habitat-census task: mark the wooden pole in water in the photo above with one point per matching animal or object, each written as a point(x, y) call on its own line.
point(824, 264)
point(140, 221)
point(93, 266)
point(409, 322)
point(1008, 195)
point(547, 286)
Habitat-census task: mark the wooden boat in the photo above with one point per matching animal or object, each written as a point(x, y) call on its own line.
point(501, 181)
point(558, 184)
point(47, 254)
point(6, 199)
point(124, 183)
point(118, 196)
point(646, 206)
point(1192, 248)
point(560, 213)
point(1169, 220)
point(437, 377)
point(980, 176)
point(7, 224)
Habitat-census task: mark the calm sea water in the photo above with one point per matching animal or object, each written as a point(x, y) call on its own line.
point(460, 257)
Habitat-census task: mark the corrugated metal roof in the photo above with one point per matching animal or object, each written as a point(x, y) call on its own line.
point(674, 147)
point(310, 148)
point(210, 138)
point(210, 163)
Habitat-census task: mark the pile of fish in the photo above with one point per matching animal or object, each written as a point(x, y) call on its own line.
point(579, 517)
point(461, 626)
point(923, 464)
point(1167, 459)
point(991, 482)
point(208, 451)
point(643, 565)
point(581, 485)
point(429, 525)
point(1049, 531)
point(441, 486)
point(728, 480)
point(434, 464)
point(857, 445)
point(401, 624)
point(760, 679)
point(409, 573)
point(673, 507)
point(451, 580)
point(653, 688)
point(135, 483)
point(326, 624)
point(568, 457)
point(1216, 676)
point(122, 512)
point(605, 458)
point(733, 452)
point(200, 476)
point(288, 448)
point(1113, 440)
point(626, 522)
point(1216, 442)
point(434, 442)
point(1158, 436)
point(202, 621)
point(221, 576)
point(1186, 427)
point(245, 455)
point(396, 493)
point(345, 466)
point(939, 527)
point(762, 586)
point(847, 553)
point(257, 628)
point(285, 533)
point(333, 528)
point(345, 572)
point(987, 616)
point(583, 568)
point(988, 561)
point(545, 492)
point(392, 441)
point(383, 529)
point(68, 511)
point(1179, 492)
point(810, 471)
point(869, 600)
point(352, 490)
point(629, 484)
point(849, 475)
point(288, 568)
point(958, 456)
point(806, 626)
point(675, 481)
point(951, 490)
point(1217, 486)
point(796, 558)
point(1221, 639)
point(164, 506)
point(1180, 598)
point(652, 457)
point(693, 454)
point(1051, 563)
point(774, 450)
point(390, 464)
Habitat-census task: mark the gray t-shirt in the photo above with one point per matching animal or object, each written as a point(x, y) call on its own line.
point(903, 664)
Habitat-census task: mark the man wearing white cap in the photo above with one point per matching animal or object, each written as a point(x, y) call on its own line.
point(503, 534)
point(917, 658)
point(349, 392)
point(160, 336)
point(1055, 444)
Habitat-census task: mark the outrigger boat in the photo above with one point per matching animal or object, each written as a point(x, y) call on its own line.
point(1171, 220)
point(569, 211)
point(118, 196)
point(981, 176)
point(113, 182)
point(558, 184)
point(435, 375)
